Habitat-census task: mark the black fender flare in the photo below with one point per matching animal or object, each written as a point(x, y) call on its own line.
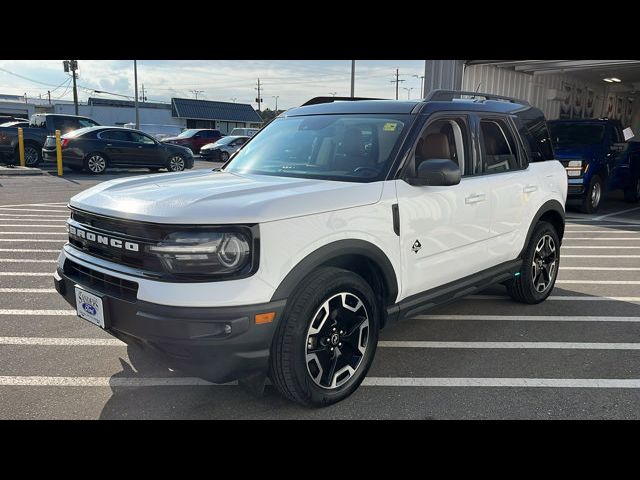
point(548, 206)
point(334, 250)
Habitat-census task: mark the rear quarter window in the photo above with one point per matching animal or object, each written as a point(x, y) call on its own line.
point(533, 129)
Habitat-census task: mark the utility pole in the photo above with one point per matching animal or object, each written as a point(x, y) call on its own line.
point(196, 92)
point(353, 78)
point(72, 66)
point(421, 77)
point(397, 82)
point(259, 98)
point(49, 95)
point(276, 97)
point(333, 94)
point(143, 97)
point(234, 99)
point(408, 89)
point(135, 81)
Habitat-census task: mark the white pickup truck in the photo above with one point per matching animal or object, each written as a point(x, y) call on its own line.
point(332, 222)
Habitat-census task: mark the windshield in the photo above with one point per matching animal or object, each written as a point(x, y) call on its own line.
point(333, 147)
point(564, 134)
point(188, 133)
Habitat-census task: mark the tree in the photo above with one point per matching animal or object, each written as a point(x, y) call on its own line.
point(267, 114)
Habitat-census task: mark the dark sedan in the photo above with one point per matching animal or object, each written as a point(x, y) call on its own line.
point(96, 148)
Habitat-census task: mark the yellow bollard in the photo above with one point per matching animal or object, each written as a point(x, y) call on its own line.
point(59, 153)
point(21, 146)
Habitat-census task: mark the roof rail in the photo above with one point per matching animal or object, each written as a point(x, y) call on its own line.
point(317, 100)
point(448, 95)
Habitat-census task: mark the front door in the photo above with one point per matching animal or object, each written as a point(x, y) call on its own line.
point(145, 151)
point(443, 230)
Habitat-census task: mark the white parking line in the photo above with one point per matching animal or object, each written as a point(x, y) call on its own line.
point(600, 282)
point(592, 247)
point(615, 269)
point(40, 220)
point(33, 233)
point(24, 260)
point(600, 256)
point(509, 345)
point(28, 274)
point(16, 216)
point(62, 342)
point(615, 214)
point(570, 298)
point(15, 381)
point(31, 240)
point(33, 313)
point(630, 221)
point(27, 290)
point(500, 382)
point(5, 209)
point(27, 250)
point(529, 318)
point(61, 225)
point(610, 230)
point(602, 226)
point(37, 204)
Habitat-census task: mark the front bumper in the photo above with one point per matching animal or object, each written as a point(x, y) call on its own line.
point(210, 154)
point(218, 344)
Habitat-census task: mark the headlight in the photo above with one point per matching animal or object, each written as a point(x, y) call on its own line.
point(574, 168)
point(206, 253)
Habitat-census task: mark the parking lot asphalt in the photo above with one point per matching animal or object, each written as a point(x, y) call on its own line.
point(575, 356)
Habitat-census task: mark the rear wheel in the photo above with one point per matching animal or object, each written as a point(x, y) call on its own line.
point(540, 265)
point(593, 197)
point(326, 340)
point(95, 163)
point(632, 194)
point(32, 155)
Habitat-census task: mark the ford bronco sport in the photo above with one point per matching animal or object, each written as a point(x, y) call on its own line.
point(335, 220)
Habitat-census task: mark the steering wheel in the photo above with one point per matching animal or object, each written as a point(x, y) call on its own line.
point(363, 169)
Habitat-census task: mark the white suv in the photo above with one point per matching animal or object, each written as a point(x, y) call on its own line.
point(333, 221)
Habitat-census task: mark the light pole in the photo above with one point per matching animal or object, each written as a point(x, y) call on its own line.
point(408, 89)
point(135, 81)
point(421, 77)
point(353, 78)
point(276, 97)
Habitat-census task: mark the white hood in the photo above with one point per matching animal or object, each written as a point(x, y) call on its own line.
point(206, 197)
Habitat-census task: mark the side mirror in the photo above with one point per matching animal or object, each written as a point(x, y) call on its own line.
point(437, 173)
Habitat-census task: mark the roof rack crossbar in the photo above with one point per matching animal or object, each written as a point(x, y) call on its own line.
point(448, 95)
point(317, 100)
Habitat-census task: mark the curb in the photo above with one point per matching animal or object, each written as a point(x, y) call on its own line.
point(21, 171)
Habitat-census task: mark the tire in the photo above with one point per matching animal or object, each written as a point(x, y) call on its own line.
point(593, 197)
point(224, 156)
point(176, 163)
point(324, 301)
point(632, 194)
point(95, 163)
point(527, 287)
point(32, 155)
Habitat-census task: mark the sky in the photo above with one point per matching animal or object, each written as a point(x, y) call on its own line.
point(293, 81)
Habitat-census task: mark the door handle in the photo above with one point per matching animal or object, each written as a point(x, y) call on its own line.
point(530, 188)
point(139, 146)
point(475, 198)
point(109, 145)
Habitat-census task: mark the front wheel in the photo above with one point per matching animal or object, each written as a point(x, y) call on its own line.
point(632, 194)
point(176, 163)
point(327, 338)
point(593, 196)
point(540, 264)
point(224, 156)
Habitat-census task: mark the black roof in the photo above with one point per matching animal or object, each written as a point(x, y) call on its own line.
point(126, 103)
point(210, 110)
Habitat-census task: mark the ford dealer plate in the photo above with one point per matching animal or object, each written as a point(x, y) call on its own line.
point(89, 307)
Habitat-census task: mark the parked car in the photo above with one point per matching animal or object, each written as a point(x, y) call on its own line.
point(245, 132)
point(597, 159)
point(159, 132)
point(195, 138)
point(11, 118)
point(223, 148)
point(289, 260)
point(94, 149)
point(16, 124)
point(40, 127)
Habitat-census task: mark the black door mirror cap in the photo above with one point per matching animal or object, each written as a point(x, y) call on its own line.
point(437, 172)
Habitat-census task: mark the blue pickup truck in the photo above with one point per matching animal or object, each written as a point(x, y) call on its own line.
point(597, 159)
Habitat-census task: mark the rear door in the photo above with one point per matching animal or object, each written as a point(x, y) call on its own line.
point(116, 145)
point(444, 230)
point(514, 188)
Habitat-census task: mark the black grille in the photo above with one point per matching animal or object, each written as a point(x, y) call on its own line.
point(118, 287)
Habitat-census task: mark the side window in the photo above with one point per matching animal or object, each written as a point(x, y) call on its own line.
point(240, 141)
point(500, 153)
point(140, 138)
point(444, 139)
point(117, 135)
